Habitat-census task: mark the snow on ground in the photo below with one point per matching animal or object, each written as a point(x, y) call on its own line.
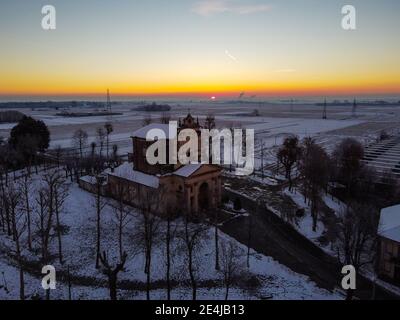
point(334, 204)
point(272, 131)
point(79, 253)
point(7, 126)
point(68, 143)
point(300, 126)
point(304, 224)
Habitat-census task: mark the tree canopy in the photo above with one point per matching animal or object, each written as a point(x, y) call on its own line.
point(34, 129)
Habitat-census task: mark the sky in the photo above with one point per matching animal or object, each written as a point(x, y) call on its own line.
point(199, 48)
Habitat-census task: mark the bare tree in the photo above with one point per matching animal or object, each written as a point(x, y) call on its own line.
point(25, 185)
point(42, 213)
point(348, 155)
point(80, 138)
point(58, 152)
point(357, 236)
point(5, 209)
point(60, 195)
point(210, 122)
point(5, 159)
point(288, 155)
point(101, 136)
point(148, 228)
point(314, 167)
point(109, 129)
point(2, 205)
point(115, 154)
point(170, 234)
point(69, 284)
point(193, 237)
point(165, 118)
point(99, 206)
point(168, 240)
point(249, 238)
point(230, 265)
point(93, 148)
point(49, 201)
point(121, 211)
point(216, 239)
point(18, 221)
point(147, 120)
point(112, 272)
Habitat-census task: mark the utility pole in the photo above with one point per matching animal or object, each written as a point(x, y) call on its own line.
point(262, 160)
point(108, 106)
point(324, 115)
point(354, 111)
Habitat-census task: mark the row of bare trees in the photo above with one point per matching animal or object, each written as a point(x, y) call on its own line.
point(354, 231)
point(80, 140)
point(166, 232)
point(315, 168)
point(357, 239)
point(31, 214)
point(32, 217)
point(78, 162)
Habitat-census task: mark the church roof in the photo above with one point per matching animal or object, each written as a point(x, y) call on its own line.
point(389, 224)
point(125, 171)
point(142, 132)
point(188, 170)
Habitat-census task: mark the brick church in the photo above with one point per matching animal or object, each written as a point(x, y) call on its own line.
point(191, 188)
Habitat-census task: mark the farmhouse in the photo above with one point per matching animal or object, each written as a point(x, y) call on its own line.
point(389, 235)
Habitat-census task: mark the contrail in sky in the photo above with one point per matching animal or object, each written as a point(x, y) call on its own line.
point(230, 56)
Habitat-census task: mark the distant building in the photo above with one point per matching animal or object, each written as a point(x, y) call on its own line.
point(389, 235)
point(175, 187)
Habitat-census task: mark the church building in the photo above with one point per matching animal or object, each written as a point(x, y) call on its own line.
point(190, 189)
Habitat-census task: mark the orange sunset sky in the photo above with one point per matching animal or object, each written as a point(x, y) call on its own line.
point(201, 47)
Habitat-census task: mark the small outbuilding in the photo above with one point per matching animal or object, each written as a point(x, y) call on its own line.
point(389, 236)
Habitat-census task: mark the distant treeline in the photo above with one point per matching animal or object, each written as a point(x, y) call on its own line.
point(52, 104)
point(10, 116)
point(87, 114)
point(154, 107)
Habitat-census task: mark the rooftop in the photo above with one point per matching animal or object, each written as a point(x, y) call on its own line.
point(126, 171)
point(142, 132)
point(92, 180)
point(188, 170)
point(389, 224)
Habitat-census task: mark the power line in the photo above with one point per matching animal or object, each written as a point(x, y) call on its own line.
point(108, 106)
point(354, 110)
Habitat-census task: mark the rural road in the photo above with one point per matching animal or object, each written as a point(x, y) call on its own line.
point(273, 237)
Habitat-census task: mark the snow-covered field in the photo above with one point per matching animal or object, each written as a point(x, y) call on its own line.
point(275, 122)
point(79, 253)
